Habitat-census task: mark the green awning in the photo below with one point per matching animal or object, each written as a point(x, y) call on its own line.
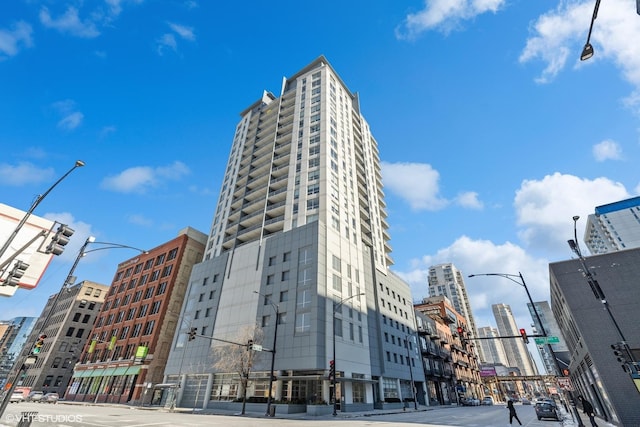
point(107, 372)
point(126, 370)
point(88, 373)
point(81, 374)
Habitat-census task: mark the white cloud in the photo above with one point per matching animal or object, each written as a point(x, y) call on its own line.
point(483, 256)
point(71, 118)
point(12, 40)
point(142, 178)
point(560, 34)
point(444, 15)
point(545, 207)
point(24, 173)
point(417, 183)
point(607, 150)
point(167, 40)
point(183, 31)
point(70, 23)
point(71, 121)
point(469, 200)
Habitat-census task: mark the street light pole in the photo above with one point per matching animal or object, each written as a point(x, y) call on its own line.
point(522, 283)
point(30, 359)
point(597, 290)
point(39, 198)
point(273, 352)
point(413, 385)
point(335, 370)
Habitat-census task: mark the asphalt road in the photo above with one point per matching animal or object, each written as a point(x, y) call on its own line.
point(68, 415)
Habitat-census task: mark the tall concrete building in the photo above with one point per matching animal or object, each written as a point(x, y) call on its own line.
point(492, 349)
point(589, 330)
point(515, 348)
point(66, 321)
point(613, 227)
point(554, 355)
point(447, 280)
point(300, 239)
point(13, 339)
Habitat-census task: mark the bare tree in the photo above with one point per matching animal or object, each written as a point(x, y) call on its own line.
point(240, 358)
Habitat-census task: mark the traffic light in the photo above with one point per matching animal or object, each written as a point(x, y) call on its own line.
point(620, 351)
point(332, 369)
point(192, 333)
point(249, 345)
point(13, 279)
point(523, 333)
point(37, 347)
point(59, 240)
point(460, 330)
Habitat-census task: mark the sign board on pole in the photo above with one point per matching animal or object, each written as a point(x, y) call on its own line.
point(547, 340)
point(33, 254)
point(565, 383)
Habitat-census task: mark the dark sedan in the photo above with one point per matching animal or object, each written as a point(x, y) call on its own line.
point(547, 410)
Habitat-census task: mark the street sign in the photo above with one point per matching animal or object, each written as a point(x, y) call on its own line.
point(256, 347)
point(565, 383)
point(547, 340)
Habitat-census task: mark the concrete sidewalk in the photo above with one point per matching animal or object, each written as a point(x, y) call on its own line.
point(569, 420)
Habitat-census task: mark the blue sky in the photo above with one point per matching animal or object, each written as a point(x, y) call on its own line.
point(492, 132)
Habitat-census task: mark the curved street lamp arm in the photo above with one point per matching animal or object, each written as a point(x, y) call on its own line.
point(113, 246)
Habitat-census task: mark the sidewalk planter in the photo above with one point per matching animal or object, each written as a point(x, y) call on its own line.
point(318, 410)
point(294, 408)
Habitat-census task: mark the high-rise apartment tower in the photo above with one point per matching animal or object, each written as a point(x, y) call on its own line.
point(447, 280)
point(614, 227)
point(515, 348)
point(299, 239)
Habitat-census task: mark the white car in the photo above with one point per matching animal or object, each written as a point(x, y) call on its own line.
point(16, 397)
point(487, 401)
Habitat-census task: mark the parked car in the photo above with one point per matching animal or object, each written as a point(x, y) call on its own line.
point(546, 410)
point(470, 401)
point(34, 396)
point(50, 398)
point(525, 401)
point(16, 397)
point(487, 400)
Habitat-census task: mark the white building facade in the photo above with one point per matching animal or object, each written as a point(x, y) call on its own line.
point(613, 227)
point(492, 348)
point(515, 349)
point(300, 237)
point(446, 279)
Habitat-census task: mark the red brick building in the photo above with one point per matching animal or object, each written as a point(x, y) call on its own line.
point(132, 335)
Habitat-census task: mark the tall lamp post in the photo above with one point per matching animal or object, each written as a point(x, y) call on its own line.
point(413, 384)
point(273, 351)
point(335, 370)
point(521, 282)
point(39, 198)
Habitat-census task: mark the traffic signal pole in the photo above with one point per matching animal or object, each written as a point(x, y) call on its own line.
point(39, 198)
